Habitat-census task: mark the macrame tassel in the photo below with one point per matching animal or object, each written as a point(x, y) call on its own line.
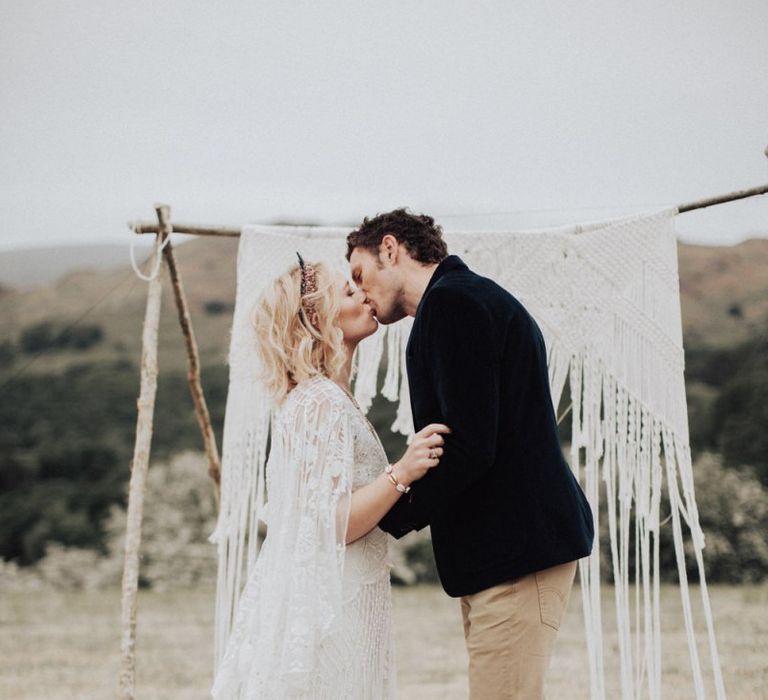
point(403, 423)
point(558, 363)
point(369, 354)
point(243, 489)
point(390, 390)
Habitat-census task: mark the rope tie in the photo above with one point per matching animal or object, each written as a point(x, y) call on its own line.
point(159, 247)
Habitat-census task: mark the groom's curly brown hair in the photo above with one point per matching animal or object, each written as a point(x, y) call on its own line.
point(421, 236)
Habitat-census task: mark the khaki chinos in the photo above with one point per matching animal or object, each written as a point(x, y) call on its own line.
point(510, 630)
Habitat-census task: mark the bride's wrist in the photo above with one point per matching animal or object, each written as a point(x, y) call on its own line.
point(402, 474)
point(398, 477)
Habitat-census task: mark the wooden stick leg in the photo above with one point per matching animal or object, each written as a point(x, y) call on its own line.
point(139, 468)
point(193, 373)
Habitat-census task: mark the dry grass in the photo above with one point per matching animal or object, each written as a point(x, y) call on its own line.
point(65, 646)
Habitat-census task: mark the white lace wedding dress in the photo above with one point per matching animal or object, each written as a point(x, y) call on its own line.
point(314, 619)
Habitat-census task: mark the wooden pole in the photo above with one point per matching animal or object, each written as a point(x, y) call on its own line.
point(193, 372)
point(149, 227)
point(722, 199)
point(139, 468)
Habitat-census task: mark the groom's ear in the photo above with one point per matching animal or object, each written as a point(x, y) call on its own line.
point(389, 249)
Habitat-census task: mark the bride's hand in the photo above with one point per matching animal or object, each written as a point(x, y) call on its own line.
point(422, 454)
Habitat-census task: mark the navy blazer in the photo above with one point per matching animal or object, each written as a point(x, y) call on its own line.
point(503, 501)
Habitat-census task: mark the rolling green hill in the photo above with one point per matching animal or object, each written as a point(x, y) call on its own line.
point(724, 301)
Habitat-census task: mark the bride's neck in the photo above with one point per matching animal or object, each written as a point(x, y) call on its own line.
point(344, 375)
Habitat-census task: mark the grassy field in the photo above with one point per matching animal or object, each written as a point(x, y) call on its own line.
point(64, 646)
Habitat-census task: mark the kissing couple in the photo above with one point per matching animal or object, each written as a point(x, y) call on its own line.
point(484, 470)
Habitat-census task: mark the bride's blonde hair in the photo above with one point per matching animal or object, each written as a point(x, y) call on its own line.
point(298, 340)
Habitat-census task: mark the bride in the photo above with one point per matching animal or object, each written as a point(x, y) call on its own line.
point(314, 618)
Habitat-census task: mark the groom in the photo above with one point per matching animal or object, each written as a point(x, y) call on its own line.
point(508, 518)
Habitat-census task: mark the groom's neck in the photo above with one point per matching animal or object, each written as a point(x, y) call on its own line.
point(416, 279)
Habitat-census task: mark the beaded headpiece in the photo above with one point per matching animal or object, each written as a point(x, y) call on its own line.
point(308, 284)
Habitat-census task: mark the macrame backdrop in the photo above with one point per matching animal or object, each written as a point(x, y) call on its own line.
point(606, 296)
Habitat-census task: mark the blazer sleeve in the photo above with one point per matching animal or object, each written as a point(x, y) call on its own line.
point(460, 351)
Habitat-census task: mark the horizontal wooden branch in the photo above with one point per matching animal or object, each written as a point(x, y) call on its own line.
point(150, 227)
point(722, 199)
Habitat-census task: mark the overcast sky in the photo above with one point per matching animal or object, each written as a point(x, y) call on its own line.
point(521, 113)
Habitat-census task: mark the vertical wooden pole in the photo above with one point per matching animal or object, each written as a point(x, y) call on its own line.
point(193, 372)
point(139, 468)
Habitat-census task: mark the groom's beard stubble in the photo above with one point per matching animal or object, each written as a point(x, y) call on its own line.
point(395, 313)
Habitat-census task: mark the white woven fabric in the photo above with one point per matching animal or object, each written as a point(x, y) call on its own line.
point(606, 296)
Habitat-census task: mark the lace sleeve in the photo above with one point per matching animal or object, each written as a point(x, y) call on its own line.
point(322, 455)
point(294, 598)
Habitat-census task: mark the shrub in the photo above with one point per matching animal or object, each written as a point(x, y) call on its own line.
point(216, 307)
point(733, 512)
point(179, 515)
point(726, 398)
point(740, 418)
point(80, 337)
point(7, 353)
point(421, 559)
point(46, 337)
point(38, 338)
